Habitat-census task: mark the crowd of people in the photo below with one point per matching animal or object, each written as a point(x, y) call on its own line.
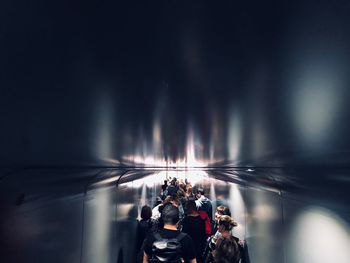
point(181, 228)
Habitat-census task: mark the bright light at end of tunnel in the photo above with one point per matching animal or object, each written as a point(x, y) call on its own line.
point(193, 176)
point(148, 181)
point(192, 159)
point(319, 236)
point(149, 161)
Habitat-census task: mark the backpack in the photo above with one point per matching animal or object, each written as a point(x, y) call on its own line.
point(207, 222)
point(167, 250)
point(207, 207)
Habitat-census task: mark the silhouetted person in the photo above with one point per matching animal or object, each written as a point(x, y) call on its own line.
point(165, 185)
point(144, 228)
point(194, 226)
point(170, 217)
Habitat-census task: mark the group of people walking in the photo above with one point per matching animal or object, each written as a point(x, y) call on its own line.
point(180, 228)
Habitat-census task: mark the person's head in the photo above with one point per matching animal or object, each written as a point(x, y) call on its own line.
point(189, 191)
point(171, 200)
point(180, 192)
point(173, 181)
point(191, 206)
point(170, 214)
point(226, 251)
point(168, 199)
point(226, 223)
point(146, 212)
point(200, 192)
point(165, 182)
point(158, 200)
point(182, 186)
point(220, 211)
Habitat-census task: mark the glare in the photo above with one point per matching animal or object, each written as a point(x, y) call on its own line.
point(98, 224)
point(193, 176)
point(265, 212)
point(147, 181)
point(104, 127)
point(107, 181)
point(143, 196)
point(315, 103)
point(151, 161)
point(319, 236)
point(146, 158)
point(235, 135)
point(212, 195)
point(237, 208)
point(190, 152)
point(123, 211)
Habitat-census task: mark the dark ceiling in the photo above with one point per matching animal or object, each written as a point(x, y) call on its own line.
point(164, 83)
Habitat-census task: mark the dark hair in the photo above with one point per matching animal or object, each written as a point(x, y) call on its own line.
point(223, 210)
point(191, 206)
point(227, 251)
point(158, 201)
point(170, 214)
point(227, 222)
point(146, 212)
point(180, 192)
point(200, 191)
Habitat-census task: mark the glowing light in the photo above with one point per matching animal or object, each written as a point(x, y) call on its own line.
point(104, 128)
point(264, 212)
point(161, 162)
point(316, 103)
point(212, 196)
point(235, 135)
point(107, 181)
point(99, 225)
point(237, 208)
point(142, 157)
point(319, 236)
point(193, 176)
point(148, 181)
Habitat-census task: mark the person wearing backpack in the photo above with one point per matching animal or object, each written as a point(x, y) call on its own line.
point(169, 244)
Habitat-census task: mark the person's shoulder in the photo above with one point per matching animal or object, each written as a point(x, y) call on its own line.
point(186, 238)
point(168, 233)
point(235, 238)
point(206, 199)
